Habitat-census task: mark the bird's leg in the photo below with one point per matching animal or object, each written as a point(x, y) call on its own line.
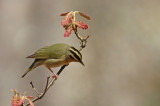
point(54, 75)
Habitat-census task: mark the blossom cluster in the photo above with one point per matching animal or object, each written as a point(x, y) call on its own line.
point(19, 100)
point(70, 23)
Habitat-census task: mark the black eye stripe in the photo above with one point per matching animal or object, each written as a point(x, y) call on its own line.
point(71, 57)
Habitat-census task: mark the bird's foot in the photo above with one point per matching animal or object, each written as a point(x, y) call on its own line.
point(55, 76)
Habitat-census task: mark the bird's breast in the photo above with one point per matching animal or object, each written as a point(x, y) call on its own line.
point(55, 62)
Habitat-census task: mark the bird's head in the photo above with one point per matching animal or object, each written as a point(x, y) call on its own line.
point(75, 55)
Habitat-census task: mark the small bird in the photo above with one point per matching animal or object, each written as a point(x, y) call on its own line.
point(54, 56)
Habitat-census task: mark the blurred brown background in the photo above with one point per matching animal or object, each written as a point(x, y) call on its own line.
point(122, 56)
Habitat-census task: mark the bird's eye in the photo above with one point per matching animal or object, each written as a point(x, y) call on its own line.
point(71, 57)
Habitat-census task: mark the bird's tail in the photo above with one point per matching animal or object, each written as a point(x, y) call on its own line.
point(28, 70)
point(34, 65)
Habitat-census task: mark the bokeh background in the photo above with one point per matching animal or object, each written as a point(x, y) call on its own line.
point(122, 57)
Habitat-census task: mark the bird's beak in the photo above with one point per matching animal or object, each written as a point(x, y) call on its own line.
point(82, 63)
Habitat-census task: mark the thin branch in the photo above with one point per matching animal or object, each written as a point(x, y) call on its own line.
point(83, 40)
point(59, 72)
point(34, 88)
point(48, 85)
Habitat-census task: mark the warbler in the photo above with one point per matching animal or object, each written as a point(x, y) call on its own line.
point(54, 56)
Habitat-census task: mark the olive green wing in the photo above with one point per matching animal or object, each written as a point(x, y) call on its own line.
point(50, 52)
point(58, 50)
point(40, 54)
